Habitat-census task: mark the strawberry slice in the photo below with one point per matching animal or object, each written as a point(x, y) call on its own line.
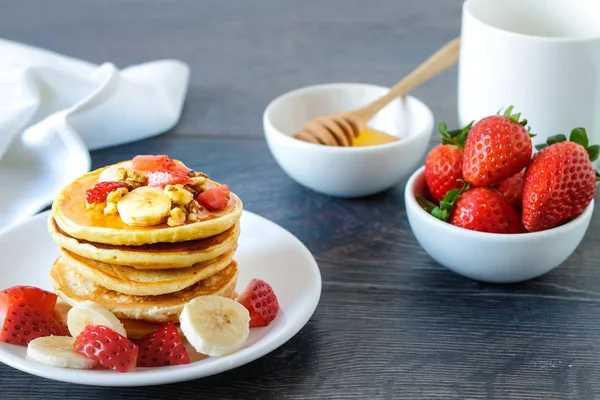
point(162, 347)
point(163, 177)
point(178, 167)
point(149, 163)
point(260, 300)
point(27, 295)
point(106, 346)
point(214, 199)
point(98, 193)
point(154, 163)
point(26, 314)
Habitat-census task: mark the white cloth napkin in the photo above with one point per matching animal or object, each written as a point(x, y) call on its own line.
point(54, 108)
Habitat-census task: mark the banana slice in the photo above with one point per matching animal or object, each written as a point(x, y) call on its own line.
point(144, 206)
point(90, 313)
point(58, 351)
point(215, 325)
point(110, 174)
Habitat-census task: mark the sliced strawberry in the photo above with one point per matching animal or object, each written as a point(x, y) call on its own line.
point(155, 163)
point(164, 177)
point(178, 167)
point(106, 346)
point(214, 199)
point(98, 193)
point(26, 314)
point(27, 295)
point(149, 163)
point(17, 297)
point(260, 300)
point(162, 347)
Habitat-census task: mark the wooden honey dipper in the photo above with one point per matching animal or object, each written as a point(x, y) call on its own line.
point(341, 129)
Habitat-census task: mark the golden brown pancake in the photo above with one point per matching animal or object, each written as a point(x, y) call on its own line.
point(72, 216)
point(143, 282)
point(74, 288)
point(149, 256)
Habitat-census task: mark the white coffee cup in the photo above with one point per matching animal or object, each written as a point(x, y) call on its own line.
point(541, 56)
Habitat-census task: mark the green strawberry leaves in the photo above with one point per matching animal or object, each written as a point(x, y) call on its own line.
point(426, 205)
point(456, 137)
point(445, 208)
point(579, 136)
point(515, 118)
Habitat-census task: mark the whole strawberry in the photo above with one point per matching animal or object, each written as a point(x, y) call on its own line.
point(496, 148)
point(443, 165)
point(479, 209)
point(512, 190)
point(560, 181)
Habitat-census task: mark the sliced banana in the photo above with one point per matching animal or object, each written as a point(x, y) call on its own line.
point(110, 174)
point(58, 351)
point(215, 325)
point(144, 206)
point(90, 313)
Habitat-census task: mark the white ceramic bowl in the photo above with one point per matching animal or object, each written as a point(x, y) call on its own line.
point(346, 171)
point(491, 257)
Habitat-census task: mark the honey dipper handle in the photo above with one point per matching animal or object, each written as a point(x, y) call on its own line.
point(443, 59)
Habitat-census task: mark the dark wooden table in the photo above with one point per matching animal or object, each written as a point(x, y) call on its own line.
point(391, 322)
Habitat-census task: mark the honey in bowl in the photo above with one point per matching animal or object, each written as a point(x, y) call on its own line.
point(372, 137)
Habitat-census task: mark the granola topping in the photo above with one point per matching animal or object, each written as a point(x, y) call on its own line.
point(182, 193)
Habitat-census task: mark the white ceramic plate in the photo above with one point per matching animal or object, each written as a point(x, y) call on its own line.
point(266, 251)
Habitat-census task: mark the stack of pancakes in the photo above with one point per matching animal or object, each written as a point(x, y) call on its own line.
point(144, 275)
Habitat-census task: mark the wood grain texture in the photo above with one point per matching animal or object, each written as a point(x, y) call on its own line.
point(391, 322)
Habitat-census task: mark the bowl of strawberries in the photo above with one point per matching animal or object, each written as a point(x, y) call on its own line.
point(487, 208)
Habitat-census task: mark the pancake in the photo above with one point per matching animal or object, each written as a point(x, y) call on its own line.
point(72, 216)
point(149, 256)
point(139, 282)
point(73, 288)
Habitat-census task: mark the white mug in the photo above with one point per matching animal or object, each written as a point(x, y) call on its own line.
point(541, 56)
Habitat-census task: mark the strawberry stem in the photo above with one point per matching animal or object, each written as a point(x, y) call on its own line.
point(456, 137)
point(579, 136)
point(515, 118)
point(443, 211)
point(425, 204)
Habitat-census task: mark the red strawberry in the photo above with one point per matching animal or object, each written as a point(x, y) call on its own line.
point(162, 347)
point(163, 177)
point(485, 210)
point(443, 165)
point(560, 182)
point(26, 314)
point(496, 148)
point(29, 295)
point(149, 163)
point(479, 209)
point(154, 163)
point(260, 300)
point(98, 193)
point(512, 190)
point(107, 347)
point(214, 199)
